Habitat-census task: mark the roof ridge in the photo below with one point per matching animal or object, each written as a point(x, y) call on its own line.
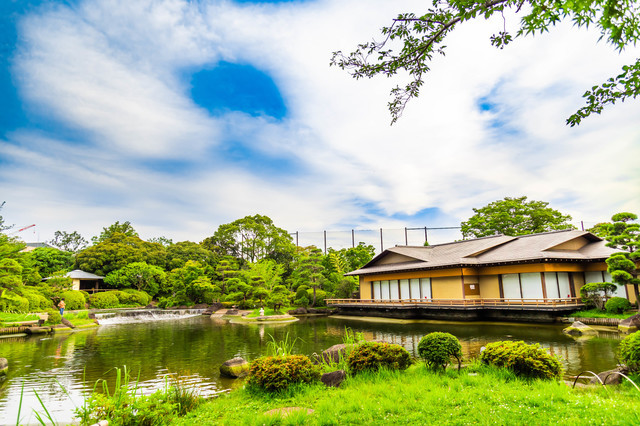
point(456, 242)
point(549, 232)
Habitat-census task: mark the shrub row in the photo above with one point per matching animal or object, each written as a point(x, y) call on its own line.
point(372, 356)
point(115, 299)
point(530, 361)
point(275, 373)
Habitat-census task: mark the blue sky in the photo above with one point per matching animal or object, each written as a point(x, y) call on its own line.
point(182, 115)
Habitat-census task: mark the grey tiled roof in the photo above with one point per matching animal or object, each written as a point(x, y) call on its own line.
point(79, 274)
point(494, 250)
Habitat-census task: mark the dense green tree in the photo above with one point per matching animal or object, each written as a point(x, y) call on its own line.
point(138, 275)
point(49, 260)
point(624, 233)
point(166, 242)
point(359, 256)
point(239, 291)
point(225, 270)
point(412, 40)
point(71, 242)
point(117, 228)
point(118, 251)
point(12, 248)
point(10, 274)
point(251, 238)
point(260, 294)
point(279, 297)
point(267, 270)
point(309, 270)
point(191, 283)
point(179, 253)
point(514, 216)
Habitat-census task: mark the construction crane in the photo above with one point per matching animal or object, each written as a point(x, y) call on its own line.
point(21, 229)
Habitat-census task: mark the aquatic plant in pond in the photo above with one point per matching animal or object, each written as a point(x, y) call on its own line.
point(126, 405)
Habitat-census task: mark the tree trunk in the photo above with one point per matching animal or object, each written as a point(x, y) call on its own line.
point(314, 297)
point(635, 290)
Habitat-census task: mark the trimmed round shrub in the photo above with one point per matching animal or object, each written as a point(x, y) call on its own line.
point(86, 296)
point(617, 305)
point(371, 356)
point(275, 373)
point(105, 300)
point(529, 361)
point(139, 298)
point(630, 351)
point(54, 317)
point(437, 349)
point(74, 300)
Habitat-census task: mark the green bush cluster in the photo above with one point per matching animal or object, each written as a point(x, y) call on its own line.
point(371, 356)
point(104, 300)
point(74, 300)
point(54, 317)
point(137, 297)
point(132, 297)
point(13, 302)
point(276, 373)
point(617, 305)
point(630, 351)
point(437, 349)
point(37, 302)
point(530, 361)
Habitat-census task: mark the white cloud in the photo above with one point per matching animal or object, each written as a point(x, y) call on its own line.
point(112, 69)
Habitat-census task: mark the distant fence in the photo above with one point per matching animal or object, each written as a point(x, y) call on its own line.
point(383, 238)
point(380, 239)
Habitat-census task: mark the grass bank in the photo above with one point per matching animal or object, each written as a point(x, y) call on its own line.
point(480, 395)
point(78, 318)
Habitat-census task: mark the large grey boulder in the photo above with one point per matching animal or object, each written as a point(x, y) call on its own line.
point(4, 366)
point(610, 377)
point(298, 311)
point(579, 329)
point(334, 378)
point(630, 325)
point(333, 354)
point(235, 368)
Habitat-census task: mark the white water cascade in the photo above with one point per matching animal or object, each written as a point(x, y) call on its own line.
point(145, 315)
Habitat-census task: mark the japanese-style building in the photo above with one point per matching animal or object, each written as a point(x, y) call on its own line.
point(531, 277)
point(86, 281)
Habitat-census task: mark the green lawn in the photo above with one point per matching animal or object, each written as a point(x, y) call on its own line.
point(597, 313)
point(11, 317)
point(418, 396)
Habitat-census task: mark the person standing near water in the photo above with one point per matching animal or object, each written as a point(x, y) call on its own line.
point(62, 305)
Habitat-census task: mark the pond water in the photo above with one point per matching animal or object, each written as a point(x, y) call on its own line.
point(59, 368)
